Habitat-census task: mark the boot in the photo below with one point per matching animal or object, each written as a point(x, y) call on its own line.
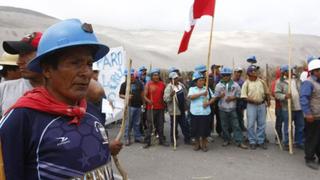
point(204, 144)
point(196, 145)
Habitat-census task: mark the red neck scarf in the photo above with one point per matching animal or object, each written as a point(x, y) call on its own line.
point(40, 99)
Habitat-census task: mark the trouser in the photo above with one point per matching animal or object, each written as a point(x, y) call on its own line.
point(256, 114)
point(158, 121)
point(279, 121)
point(240, 113)
point(297, 118)
point(230, 120)
point(312, 142)
point(184, 125)
point(133, 121)
point(143, 122)
point(218, 120)
point(241, 105)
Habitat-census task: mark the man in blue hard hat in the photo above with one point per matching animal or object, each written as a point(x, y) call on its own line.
point(282, 93)
point(134, 110)
point(56, 133)
point(153, 95)
point(226, 93)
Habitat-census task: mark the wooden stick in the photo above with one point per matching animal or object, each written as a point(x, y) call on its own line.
point(2, 173)
point(123, 124)
point(174, 117)
point(289, 91)
point(153, 133)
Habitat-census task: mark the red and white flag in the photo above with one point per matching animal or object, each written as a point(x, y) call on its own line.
point(197, 10)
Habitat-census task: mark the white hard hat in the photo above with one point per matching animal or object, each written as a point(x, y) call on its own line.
point(237, 69)
point(314, 64)
point(9, 59)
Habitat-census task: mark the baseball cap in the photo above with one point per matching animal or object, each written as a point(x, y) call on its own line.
point(215, 66)
point(252, 68)
point(27, 44)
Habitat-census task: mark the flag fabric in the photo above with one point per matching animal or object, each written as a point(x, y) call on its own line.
point(197, 10)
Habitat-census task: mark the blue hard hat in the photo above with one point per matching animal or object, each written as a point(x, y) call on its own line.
point(126, 72)
point(172, 69)
point(173, 75)
point(252, 59)
point(142, 68)
point(155, 70)
point(284, 68)
point(197, 75)
point(200, 68)
point(64, 34)
point(226, 71)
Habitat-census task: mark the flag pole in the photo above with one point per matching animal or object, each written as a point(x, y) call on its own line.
point(289, 91)
point(209, 51)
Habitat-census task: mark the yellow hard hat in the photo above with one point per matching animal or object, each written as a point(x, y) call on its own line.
point(9, 59)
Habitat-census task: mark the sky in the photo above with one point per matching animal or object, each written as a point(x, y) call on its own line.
point(230, 15)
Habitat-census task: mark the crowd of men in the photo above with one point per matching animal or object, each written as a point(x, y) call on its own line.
point(199, 108)
point(51, 106)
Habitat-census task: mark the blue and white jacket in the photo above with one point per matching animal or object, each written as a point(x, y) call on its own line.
point(38, 145)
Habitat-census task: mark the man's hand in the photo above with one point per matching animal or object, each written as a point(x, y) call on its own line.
point(230, 98)
point(115, 147)
point(222, 95)
point(309, 118)
point(288, 96)
point(172, 93)
point(149, 102)
point(268, 103)
point(205, 93)
point(206, 104)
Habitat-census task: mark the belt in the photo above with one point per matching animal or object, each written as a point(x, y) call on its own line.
point(257, 103)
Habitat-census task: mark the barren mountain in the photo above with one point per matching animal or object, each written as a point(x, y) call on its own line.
point(159, 48)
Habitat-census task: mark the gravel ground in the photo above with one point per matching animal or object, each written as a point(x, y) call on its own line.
point(163, 163)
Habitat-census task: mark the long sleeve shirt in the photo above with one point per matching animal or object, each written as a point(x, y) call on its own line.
point(305, 95)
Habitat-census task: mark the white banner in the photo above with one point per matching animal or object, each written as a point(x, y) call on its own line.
point(111, 77)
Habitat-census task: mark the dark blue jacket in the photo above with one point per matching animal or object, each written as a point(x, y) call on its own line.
point(39, 145)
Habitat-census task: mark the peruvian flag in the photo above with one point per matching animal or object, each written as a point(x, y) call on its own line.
point(197, 10)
